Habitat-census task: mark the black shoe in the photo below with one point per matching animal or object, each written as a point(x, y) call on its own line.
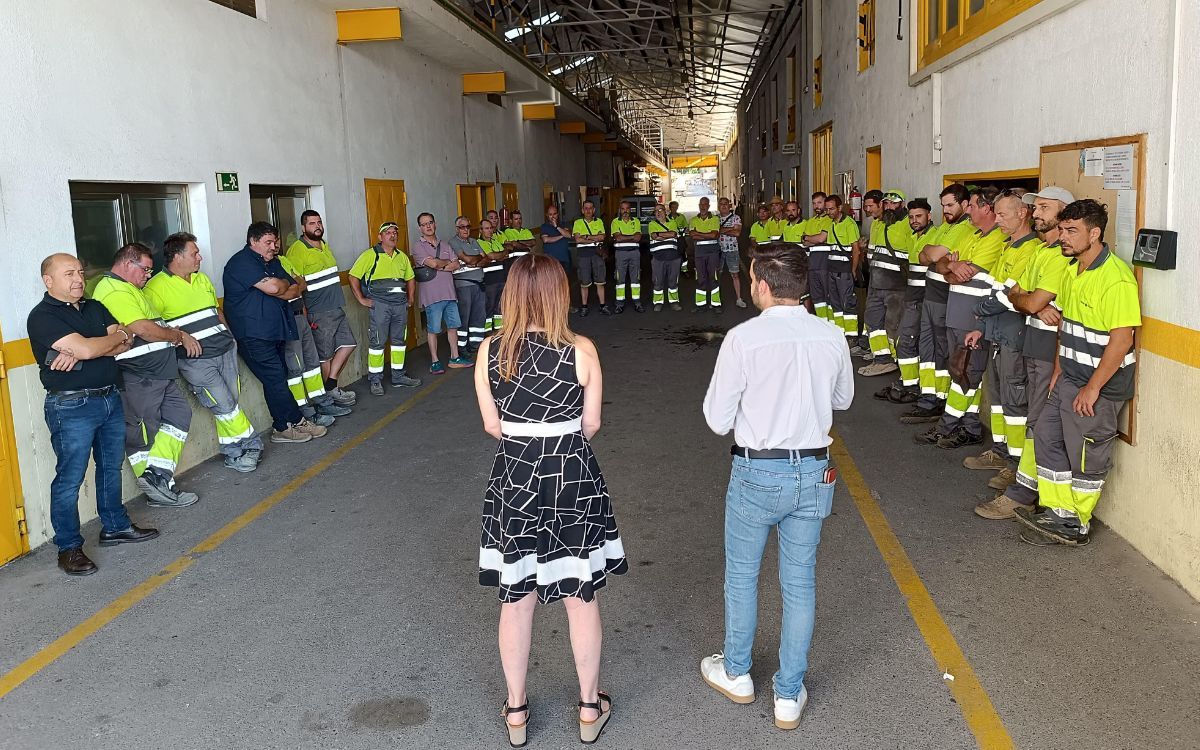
point(637, 307)
point(959, 439)
point(904, 395)
point(718, 309)
point(605, 310)
point(583, 311)
point(1051, 526)
point(928, 437)
point(919, 415)
point(620, 308)
point(885, 393)
point(129, 536)
point(574, 310)
point(74, 563)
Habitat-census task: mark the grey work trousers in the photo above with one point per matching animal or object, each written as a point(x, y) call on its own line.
point(1037, 389)
point(154, 406)
point(935, 357)
point(965, 400)
point(1074, 453)
point(885, 308)
point(472, 311)
point(387, 323)
point(628, 272)
point(708, 288)
point(217, 385)
point(304, 367)
point(842, 299)
point(664, 268)
point(1006, 387)
point(908, 352)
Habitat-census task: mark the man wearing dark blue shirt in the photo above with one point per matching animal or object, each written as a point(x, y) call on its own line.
point(256, 309)
point(556, 240)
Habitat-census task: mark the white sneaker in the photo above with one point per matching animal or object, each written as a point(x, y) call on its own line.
point(737, 689)
point(787, 712)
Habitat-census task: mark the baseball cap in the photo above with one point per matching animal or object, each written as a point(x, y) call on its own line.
point(388, 225)
point(1052, 192)
point(894, 196)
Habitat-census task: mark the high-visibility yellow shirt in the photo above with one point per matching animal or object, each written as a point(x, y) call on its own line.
point(1097, 300)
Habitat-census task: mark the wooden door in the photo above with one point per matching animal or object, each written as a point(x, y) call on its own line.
point(387, 201)
point(822, 159)
point(469, 203)
point(508, 194)
point(875, 168)
point(13, 532)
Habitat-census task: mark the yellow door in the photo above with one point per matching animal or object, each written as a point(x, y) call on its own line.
point(13, 541)
point(387, 201)
point(822, 159)
point(508, 194)
point(487, 196)
point(469, 204)
point(875, 168)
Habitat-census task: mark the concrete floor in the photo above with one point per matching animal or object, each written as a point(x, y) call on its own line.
point(348, 615)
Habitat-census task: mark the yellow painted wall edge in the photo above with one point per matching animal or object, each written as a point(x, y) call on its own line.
point(1158, 336)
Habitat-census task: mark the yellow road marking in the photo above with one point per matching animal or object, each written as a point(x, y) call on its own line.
point(972, 699)
point(118, 606)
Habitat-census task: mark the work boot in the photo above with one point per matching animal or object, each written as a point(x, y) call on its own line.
point(160, 494)
point(322, 420)
point(583, 311)
point(904, 395)
point(620, 308)
point(878, 368)
point(999, 508)
point(637, 307)
point(333, 409)
point(1050, 524)
point(885, 393)
point(74, 563)
point(405, 381)
point(308, 427)
point(243, 464)
point(343, 397)
point(919, 415)
point(376, 388)
point(676, 306)
point(855, 349)
point(989, 460)
point(928, 437)
point(959, 439)
point(1006, 477)
point(291, 434)
point(605, 310)
point(658, 308)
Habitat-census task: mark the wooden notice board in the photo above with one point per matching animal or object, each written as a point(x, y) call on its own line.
point(1080, 168)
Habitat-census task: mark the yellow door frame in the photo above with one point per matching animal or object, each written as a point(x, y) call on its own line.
point(391, 192)
point(14, 534)
point(1004, 174)
point(875, 168)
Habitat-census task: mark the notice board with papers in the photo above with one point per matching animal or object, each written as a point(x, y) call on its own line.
point(1110, 171)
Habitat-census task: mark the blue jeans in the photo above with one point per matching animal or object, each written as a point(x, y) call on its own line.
point(80, 427)
point(786, 494)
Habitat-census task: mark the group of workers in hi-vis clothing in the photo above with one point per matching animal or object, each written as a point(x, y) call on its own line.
point(1014, 293)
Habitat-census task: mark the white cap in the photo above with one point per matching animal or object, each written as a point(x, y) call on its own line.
point(1052, 192)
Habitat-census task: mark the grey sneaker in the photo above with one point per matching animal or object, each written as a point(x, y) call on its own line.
point(332, 409)
point(322, 420)
point(343, 397)
point(292, 434)
point(312, 429)
point(243, 464)
point(878, 368)
point(159, 493)
point(376, 388)
point(405, 381)
point(741, 303)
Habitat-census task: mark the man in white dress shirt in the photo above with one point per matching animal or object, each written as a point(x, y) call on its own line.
point(777, 381)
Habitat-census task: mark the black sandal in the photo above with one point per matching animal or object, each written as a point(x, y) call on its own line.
point(517, 735)
point(589, 731)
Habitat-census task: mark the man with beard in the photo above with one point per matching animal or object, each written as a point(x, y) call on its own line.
point(951, 235)
point(885, 297)
point(1035, 295)
point(818, 258)
point(906, 390)
point(323, 298)
point(840, 239)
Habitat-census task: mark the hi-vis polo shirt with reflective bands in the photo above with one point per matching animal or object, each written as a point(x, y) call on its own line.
point(982, 252)
point(584, 227)
point(145, 359)
point(840, 237)
point(775, 227)
point(1002, 323)
point(955, 238)
point(759, 233)
point(320, 271)
point(711, 224)
point(916, 272)
point(295, 304)
point(517, 235)
point(384, 277)
point(1045, 271)
point(630, 228)
point(818, 255)
point(668, 244)
point(1103, 297)
point(190, 305)
point(794, 232)
point(494, 272)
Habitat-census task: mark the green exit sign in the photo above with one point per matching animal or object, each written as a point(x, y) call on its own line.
point(227, 182)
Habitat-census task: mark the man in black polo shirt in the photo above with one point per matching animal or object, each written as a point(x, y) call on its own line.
point(256, 309)
point(74, 341)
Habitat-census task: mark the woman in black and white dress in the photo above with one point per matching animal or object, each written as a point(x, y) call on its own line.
point(548, 526)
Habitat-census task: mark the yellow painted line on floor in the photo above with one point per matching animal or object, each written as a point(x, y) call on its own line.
point(118, 606)
point(972, 699)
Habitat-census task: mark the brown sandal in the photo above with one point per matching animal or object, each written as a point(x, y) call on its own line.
point(517, 735)
point(589, 731)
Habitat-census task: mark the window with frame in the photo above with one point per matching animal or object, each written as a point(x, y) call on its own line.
point(108, 215)
point(866, 34)
point(947, 25)
point(247, 7)
point(280, 205)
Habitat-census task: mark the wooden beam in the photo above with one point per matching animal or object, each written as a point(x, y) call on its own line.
point(484, 83)
point(368, 25)
point(572, 127)
point(593, 137)
point(538, 111)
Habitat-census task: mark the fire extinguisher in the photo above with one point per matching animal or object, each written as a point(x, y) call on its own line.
point(856, 204)
point(503, 217)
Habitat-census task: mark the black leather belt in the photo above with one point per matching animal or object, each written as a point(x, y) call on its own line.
point(777, 453)
point(87, 391)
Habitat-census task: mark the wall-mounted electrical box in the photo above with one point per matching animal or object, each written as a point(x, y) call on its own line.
point(1155, 248)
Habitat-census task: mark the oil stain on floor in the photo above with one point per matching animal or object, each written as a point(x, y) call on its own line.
point(390, 713)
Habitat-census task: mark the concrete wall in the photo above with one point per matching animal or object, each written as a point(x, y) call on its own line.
point(1096, 69)
point(147, 91)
